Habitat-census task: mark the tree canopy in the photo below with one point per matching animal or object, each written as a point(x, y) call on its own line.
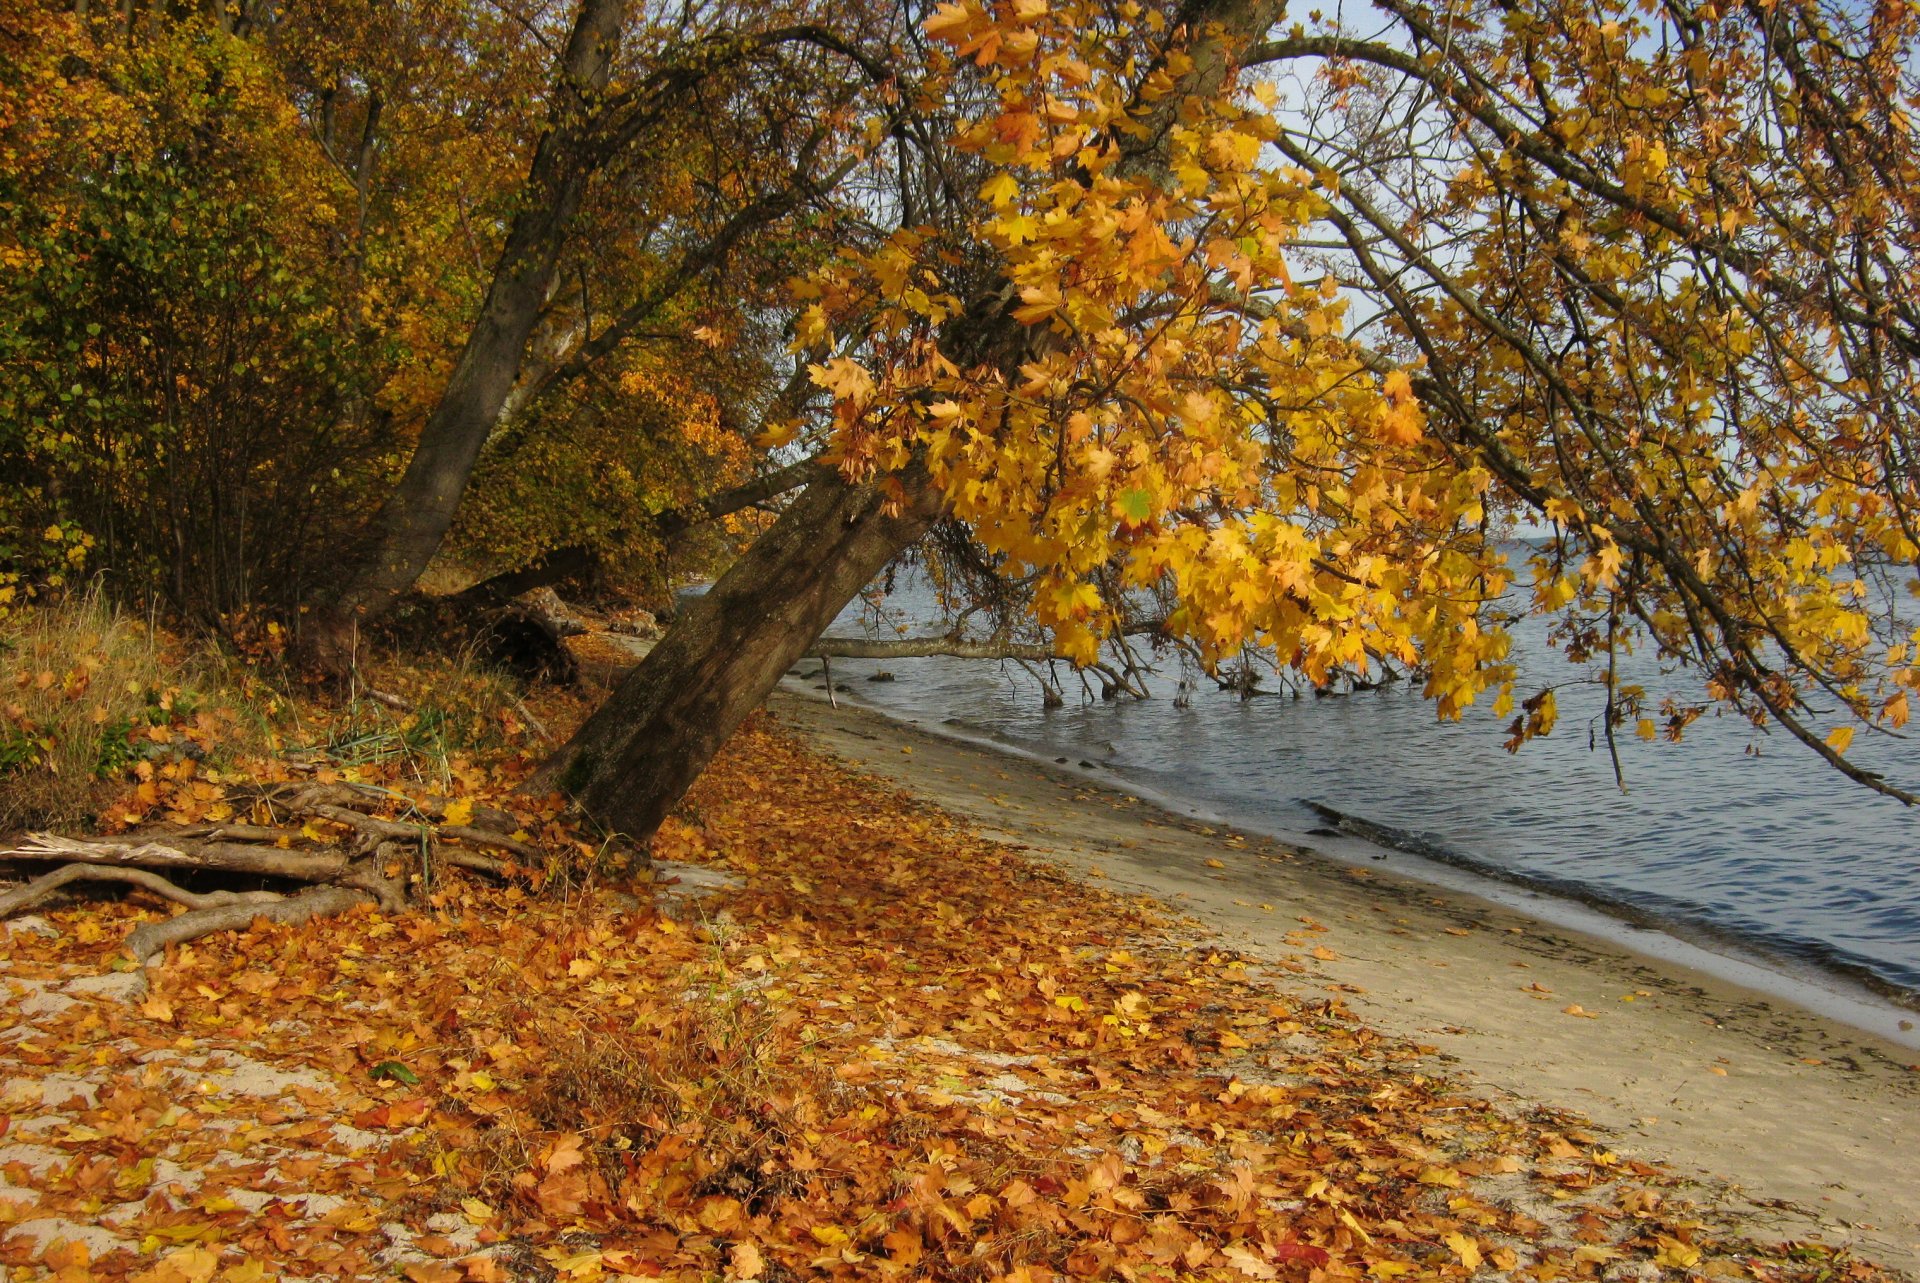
point(1276, 327)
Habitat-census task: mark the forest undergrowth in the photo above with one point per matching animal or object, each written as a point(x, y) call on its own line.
point(834, 1032)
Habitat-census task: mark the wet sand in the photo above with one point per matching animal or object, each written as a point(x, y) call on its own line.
point(1805, 1124)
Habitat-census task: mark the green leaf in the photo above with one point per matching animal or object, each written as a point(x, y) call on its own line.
point(396, 1071)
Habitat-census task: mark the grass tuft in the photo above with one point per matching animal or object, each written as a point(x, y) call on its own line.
point(92, 698)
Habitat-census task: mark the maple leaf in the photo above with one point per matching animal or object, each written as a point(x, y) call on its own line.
point(846, 378)
point(564, 1153)
point(1244, 1260)
point(186, 1265)
point(745, 1262)
point(1464, 1248)
point(952, 22)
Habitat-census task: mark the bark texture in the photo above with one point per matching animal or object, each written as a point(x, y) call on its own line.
point(634, 758)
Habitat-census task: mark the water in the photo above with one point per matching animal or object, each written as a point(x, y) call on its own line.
point(1731, 836)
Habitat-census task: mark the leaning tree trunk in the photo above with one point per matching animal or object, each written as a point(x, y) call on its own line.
point(408, 529)
point(634, 758)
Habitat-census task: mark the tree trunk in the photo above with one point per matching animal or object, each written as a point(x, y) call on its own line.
point(634, 758)
point(408, 529)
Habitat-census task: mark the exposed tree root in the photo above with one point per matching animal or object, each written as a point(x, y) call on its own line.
point(478, 863)
point(486, 837)
point(153, 938)
point(376, 860)
point(40, 888)
point(221, 857)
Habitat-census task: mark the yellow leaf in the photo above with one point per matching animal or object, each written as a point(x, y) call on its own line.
point(1840, 738)
point(459, 811)
point(1248, 1264)
point(999, 190)
point(1676, 1255)
point(1466, 1249)
point(188, 1265)
point(951, 22)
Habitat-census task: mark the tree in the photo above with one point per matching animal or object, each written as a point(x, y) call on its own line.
point(261, 373)
point(1643, 279)
point(1080, 296)
point(742, 89)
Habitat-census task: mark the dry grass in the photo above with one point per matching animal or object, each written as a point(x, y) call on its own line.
point(87, 693)
point(424, 714)
point(718, 1093)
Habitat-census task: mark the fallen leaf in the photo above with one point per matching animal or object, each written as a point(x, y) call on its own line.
point(744, 1261)
point(1676, 1255)
point(564, 1154)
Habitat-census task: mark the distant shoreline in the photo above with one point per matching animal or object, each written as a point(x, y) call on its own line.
point(1788, 1102)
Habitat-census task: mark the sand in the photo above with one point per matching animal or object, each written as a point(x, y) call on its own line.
point(1802, 1125)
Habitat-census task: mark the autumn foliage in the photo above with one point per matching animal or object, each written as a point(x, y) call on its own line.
point(1274, 330)
point(847, 1062)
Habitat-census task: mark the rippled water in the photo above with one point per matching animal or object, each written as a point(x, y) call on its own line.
point(1730, 833)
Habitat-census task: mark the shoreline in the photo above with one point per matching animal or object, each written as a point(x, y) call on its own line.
point(1840, 990)
point(1793, 1115)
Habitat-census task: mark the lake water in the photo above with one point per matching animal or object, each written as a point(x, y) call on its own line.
point(1731, 836)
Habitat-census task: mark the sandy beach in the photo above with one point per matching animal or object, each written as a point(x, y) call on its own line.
point(1804, 1125)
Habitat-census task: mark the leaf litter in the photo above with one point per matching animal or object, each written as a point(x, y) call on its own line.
point(845, 1035)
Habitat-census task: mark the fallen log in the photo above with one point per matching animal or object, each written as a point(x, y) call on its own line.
point(916, 647)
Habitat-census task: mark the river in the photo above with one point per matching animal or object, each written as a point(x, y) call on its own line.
point(1731, 837)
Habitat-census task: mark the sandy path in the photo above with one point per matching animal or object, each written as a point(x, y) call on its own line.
point(1807, 1123)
